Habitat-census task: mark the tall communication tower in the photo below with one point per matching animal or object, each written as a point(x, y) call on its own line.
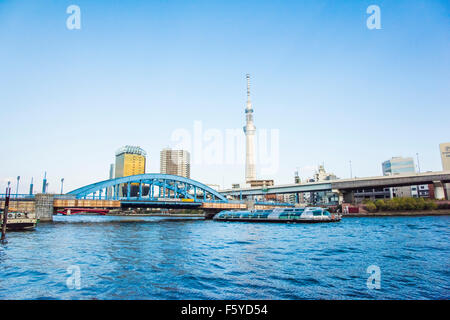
point(249, 130)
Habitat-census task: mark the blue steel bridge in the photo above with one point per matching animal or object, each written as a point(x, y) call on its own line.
point(151, 189)
point(146, 190)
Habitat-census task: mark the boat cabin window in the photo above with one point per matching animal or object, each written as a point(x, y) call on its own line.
point(317, 214)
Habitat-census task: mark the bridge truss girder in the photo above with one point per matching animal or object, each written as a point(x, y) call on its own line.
point(168, 186)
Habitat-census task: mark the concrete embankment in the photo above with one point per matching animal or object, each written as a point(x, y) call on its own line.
point(443, 212)
point(181, 215)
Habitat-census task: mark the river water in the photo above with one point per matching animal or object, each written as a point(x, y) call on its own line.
point(99, 257)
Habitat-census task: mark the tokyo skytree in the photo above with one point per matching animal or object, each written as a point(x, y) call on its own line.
point(249, 130)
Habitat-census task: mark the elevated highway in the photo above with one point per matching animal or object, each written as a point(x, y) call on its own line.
point(345, 186)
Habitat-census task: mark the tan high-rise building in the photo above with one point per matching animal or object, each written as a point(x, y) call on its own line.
point(176, 162)
point(445, 158)
point(445, 155)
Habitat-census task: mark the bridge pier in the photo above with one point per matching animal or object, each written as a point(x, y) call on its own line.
point(339, 194)
point(344, 196)
point(44, 206)
point(250, 204)
point(210, 213)
point(439, 193)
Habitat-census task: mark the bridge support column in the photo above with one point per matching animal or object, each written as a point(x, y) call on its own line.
point(44, 206)
point(349, 197)
point(164, 189)
point(439, 190)
point(447, 190)
point(340, 195)
point(250, 204)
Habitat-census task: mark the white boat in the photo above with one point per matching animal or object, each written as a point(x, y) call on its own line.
point(300, 215)
point(20, 221)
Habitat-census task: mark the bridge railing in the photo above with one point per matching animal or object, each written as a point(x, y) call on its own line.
point(153, 199)
point(17, 196)
point(274, 203)
point(159, 199)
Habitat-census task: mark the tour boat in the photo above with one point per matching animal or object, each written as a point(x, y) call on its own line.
point(20, 221)
point(300, 215)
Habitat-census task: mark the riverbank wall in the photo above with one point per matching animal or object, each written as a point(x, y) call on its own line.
point(180, 215)
point(445, 212)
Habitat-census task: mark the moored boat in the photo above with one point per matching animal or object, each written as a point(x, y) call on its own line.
point(20, 221)
point(300, 215)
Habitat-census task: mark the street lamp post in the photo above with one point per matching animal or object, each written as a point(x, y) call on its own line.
point(351, 173)
point(62, 183)
point(418, 163)
point(31, 186)
point(17, 188)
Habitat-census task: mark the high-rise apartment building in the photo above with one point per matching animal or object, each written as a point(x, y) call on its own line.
point(445, 158)
point(398, 165)
point(176, 162)
point(111, 176)
point(445, 155)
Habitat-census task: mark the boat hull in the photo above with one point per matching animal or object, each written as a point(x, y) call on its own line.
point(279, 215)
point(278, 220)
point(21, 224)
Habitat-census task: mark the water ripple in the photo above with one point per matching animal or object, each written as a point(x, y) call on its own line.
point(160, 258)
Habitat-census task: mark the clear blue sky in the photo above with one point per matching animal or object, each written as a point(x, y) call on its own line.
point(138, 70)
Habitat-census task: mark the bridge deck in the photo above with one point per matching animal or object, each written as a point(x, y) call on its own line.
point(345, 184)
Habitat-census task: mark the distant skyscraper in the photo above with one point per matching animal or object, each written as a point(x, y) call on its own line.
point(249, 130)
point(111, 171)
point(445, 155)
point(111, 176)
point(176, 162)
point(398, 165)
point(445, 158)
point(322, 175)
point(130, 160)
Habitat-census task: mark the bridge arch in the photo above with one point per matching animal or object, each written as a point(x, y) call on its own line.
point(167, 185)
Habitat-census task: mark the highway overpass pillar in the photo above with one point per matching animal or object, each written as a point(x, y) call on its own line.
point(339, 194)
point(44, 206)
point(347, 197)
point(447, 190)
point(439, 190)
